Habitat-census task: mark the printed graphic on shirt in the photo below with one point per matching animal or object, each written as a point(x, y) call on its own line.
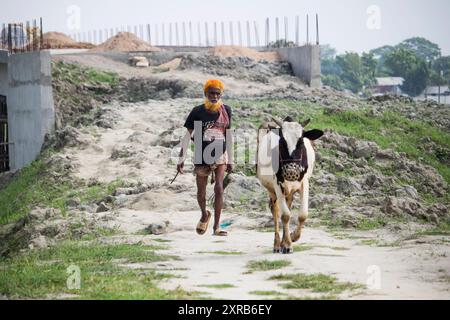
point(213, 136)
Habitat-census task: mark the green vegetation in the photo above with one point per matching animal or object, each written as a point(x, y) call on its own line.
point(406, 63)
point(265, 265)
point(302, 247)
point(35, 186)
point(369, 242)
point(417, 60)
point(78, 75)
point(315, 282)
point(43, 273)
point(388, 130)
point(361, 222)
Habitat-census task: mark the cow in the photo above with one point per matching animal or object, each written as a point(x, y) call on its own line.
point(284, 164)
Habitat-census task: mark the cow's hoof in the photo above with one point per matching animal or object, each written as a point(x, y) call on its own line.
point(287, 250)
point(276, 250)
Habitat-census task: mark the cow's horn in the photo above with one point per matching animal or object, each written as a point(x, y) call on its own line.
point(305, 123)
point(278, 122)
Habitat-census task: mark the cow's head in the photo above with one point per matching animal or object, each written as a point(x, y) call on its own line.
point(293, 133)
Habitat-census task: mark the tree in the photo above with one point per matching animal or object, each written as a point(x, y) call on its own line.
point(423, 48)
point(381, 52)
point(414, 69)
point(441, 64)
point(347, 71)
point(333, 81)
point(380, 55)
point(417, 79)
point(369, 65)
point(352, 73)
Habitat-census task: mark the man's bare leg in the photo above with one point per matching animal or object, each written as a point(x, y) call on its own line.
point(218, 191)
point(201, 196)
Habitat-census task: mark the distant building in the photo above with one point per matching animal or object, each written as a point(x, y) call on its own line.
point(433, 93)
point(388, 85)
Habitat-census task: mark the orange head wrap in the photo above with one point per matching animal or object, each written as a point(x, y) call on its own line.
point(213, 83)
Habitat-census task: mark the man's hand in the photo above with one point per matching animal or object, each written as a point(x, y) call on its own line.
point(180, 167)
point(229, 168)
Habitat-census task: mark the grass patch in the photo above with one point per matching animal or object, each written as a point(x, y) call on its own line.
point(368, 242)
point(34, 186)
point(268, 229)
point(361, 223)
point(302, 247)
point(43, 273)
point(315, 282)
point(101, 232)
point(265, 265)
point(225, 253)
point(365, 224)
point(78, 75)
point(217, 286)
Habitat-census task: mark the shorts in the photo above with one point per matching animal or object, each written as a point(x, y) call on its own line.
point(204, 170)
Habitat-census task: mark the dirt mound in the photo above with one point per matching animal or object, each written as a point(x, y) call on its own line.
point(58, 40)
point(238, 67)
point(125, 41)
point(237, 51)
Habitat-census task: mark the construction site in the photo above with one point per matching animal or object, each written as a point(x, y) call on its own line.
point(90, 131)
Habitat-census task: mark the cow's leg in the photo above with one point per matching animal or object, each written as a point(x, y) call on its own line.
point(276, 215)
point(286, 243)
point(304, 198)
point(289, 200)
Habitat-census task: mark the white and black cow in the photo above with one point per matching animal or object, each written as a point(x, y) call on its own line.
point(285, 161)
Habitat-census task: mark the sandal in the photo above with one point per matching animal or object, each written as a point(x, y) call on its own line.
point(220, 233)
point(203, 226)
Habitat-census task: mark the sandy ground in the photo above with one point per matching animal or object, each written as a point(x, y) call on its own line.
point(417, 269)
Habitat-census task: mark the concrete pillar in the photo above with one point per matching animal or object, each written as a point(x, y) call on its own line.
point(305, 62)
point(30, 105)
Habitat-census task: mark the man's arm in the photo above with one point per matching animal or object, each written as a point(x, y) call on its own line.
point(230, 145)
point(183, 152)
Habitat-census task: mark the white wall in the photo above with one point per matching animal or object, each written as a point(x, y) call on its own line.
point(305, 62)
point(30, 105)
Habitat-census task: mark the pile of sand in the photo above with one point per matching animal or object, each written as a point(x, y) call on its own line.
point(58, 40)
point(238, 51)
point(125, 41)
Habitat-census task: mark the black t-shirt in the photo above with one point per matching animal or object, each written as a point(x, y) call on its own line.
point(207, 119)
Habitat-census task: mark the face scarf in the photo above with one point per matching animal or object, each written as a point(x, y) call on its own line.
point(213, 106)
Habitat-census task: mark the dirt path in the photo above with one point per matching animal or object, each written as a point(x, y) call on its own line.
point(415, 269)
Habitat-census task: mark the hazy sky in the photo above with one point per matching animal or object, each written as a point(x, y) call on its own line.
point(347, 25)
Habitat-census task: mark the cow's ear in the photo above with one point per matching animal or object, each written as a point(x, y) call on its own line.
point(313, 134)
